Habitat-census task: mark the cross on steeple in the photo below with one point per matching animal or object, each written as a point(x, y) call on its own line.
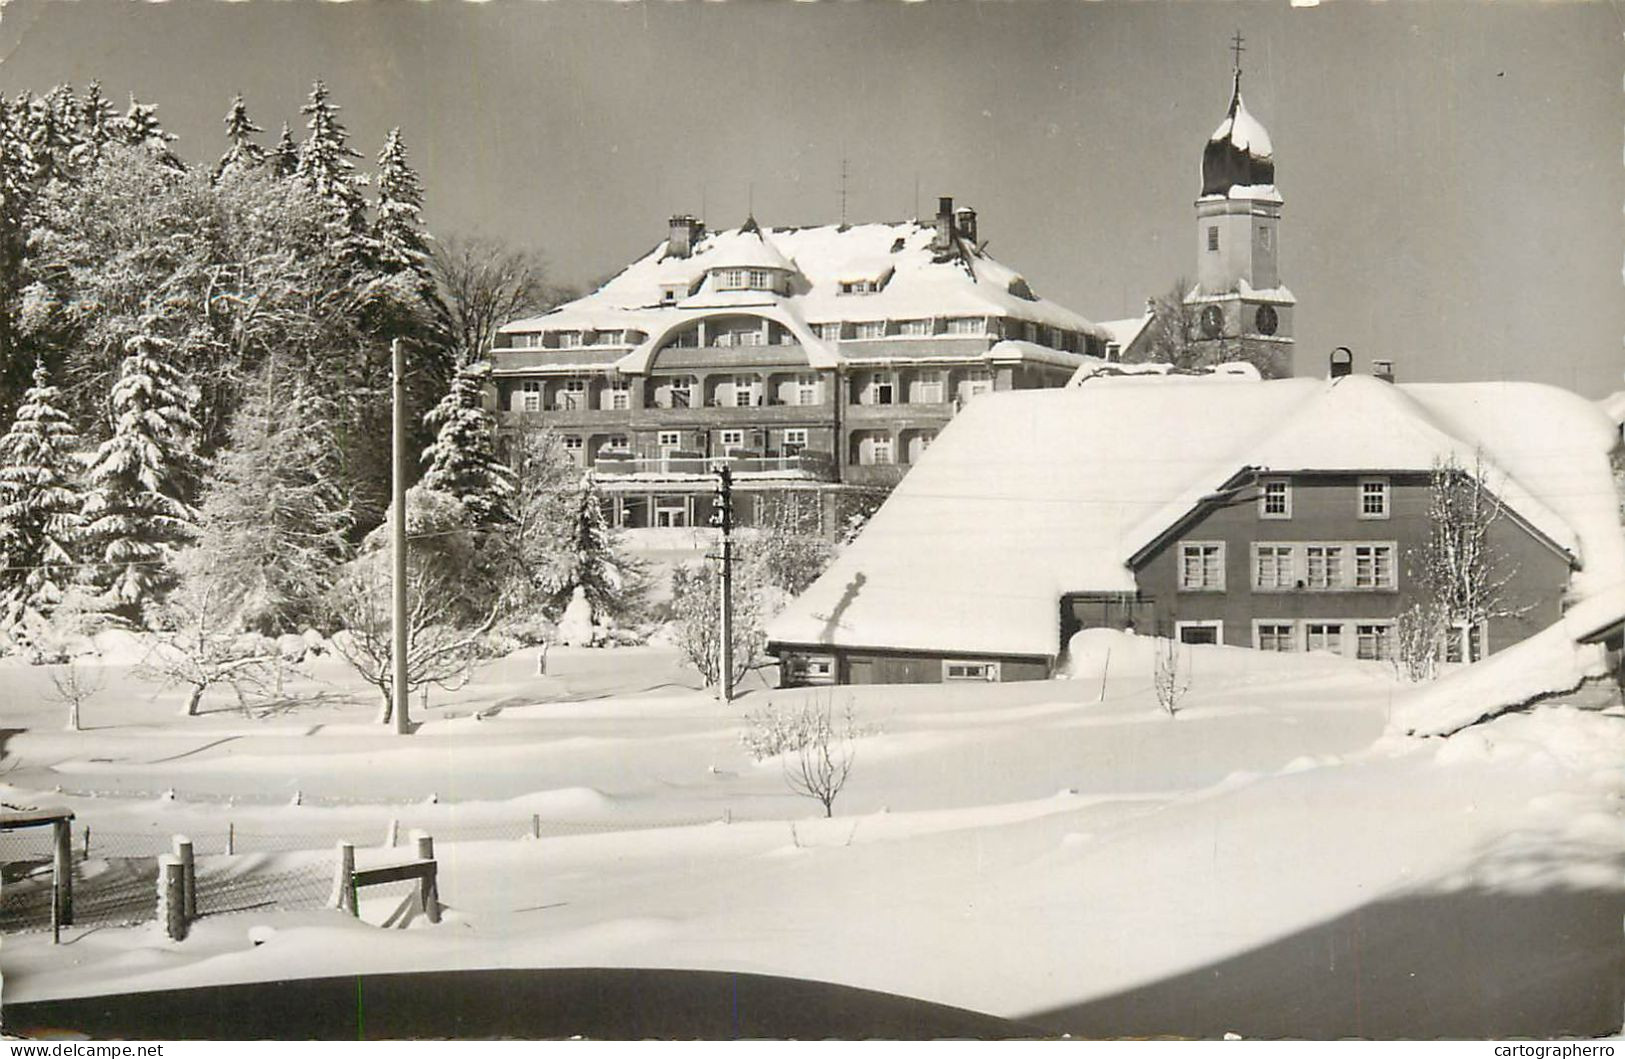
point(1235, 46)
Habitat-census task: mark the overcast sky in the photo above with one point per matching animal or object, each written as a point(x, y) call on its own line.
point(1452, 172)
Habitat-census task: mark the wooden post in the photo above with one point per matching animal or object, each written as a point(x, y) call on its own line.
point(56, 916)
point(86, 851)
point(231, 839)
point(428, 889)
point(171, 889)
point(535, 825)
point(62, 869)
point(344, 881)
point(392, 837)
point(183, 853)
point(399, 603)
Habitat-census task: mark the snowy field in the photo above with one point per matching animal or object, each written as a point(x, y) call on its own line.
point(1268, 862)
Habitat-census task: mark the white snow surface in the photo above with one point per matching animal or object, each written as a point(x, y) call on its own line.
point(1030, 494)
point(1245, 131)
point(1614, 406)
point(1550, 662)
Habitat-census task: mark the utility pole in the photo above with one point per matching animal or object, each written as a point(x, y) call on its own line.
point(398, 539)
point(724, 520)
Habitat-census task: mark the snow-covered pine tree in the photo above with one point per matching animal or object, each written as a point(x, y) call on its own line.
point(397, 227)
point(39, 505)
point(135, 508)
point(97, 124)
point(52, 132)
point(244, 153)
point(284, 157)
point(325, 161)
point(273, 521)
point(139, 127)
point(16, 195)
point(462, 460)
point(594, 562)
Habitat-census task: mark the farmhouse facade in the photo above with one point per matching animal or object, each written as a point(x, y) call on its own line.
point(1285, 515)
point(815, 362)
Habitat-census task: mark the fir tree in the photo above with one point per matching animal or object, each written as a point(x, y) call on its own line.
point(325, 161)
point(611, 581)
point(97, 125)
point(16, 197)
point(273, 523)
point(284, 157)
point(135, 510)
point(139, 128)
point(244, 153)
point(462, 460)
point(39, 504)
point(51, 129)
point(397, 230)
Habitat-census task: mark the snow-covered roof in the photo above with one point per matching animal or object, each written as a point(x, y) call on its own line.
point(1124, 332)
point(1229, 371)
point(1614, 406)
point(1027, 495)
point(916, 283)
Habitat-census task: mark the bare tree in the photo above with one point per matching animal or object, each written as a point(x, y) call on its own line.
point(816, 746)
point(1465, 575)
point(439, 650)
point(1173, 328)
point(205, 646)
point(484, 284)
point(696, 613)
point(75, 686)
point(1170, 674)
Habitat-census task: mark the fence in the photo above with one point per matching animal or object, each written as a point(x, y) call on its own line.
point(115, 872)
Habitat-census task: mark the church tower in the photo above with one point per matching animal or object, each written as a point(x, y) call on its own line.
point(1239, 308)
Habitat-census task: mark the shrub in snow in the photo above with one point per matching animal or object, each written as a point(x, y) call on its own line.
point(816, 747)
point(75, 685)
point(1171, 677)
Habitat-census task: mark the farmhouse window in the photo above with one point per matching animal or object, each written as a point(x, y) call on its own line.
point(1323, 566)
point(1374, 641)
point(1275, 636)
point(970, 671)
point(1273, 566)
point(1324, 636)
point(1276, 499)
point(1374, 566)
point(1373, 498)
point(1201, 566)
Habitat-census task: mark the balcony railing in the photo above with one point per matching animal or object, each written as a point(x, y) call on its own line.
point(815, 465)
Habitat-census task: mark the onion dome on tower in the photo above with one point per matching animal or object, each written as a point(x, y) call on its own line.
point(1239, 153)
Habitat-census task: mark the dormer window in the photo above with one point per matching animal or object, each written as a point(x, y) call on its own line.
point(914, 327)
point(745, 279)
point(869, 329)
point(569, 339)
point(967, 325)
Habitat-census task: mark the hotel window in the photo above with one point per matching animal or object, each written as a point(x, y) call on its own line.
point(1323, 566)
point(1201, 566)
point(1374, 641)
point(732, 440)
point(572, 445)
point(929, 388)
point(988, 671)
point(880, 451)
point(671, 439)
point(1324, 636)
point(1213, 237)
point(531, 395)
point(795, 441)
point(620, 394)
point(569, 339)
point(1373, 498)
point(572, 394)
point(680, 392)
point(730, 278)
point(914, 327)
point(882, 389)
point(806, 389)
point(966, 325)
point(1374, 566)
point(744, 391)
point(1029, 331)
point(1272, 566)
point(1276, 499)
point(977, 381)
point(869, 329)
point(616, 443)
point(1275, 636)
point(828, 332)
point(761, 279)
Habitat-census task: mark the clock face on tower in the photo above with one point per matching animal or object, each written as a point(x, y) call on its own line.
point(1266, 321)
point(1212, 321)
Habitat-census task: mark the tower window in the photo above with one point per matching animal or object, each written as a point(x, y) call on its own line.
point(1264, 237)
point(1213, 237)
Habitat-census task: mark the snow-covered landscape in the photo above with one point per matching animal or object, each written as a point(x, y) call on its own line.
point(1062, 853)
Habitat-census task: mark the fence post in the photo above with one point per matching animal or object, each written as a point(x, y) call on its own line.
point(344, 881)
point(392, 837)
point(86, 852)
point(183, 853)
point(536, 825)
point(171, 913)
point(62, 869)
point(428, 888)
point(231, 838)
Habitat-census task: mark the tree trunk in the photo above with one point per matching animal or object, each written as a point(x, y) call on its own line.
point(192, 701)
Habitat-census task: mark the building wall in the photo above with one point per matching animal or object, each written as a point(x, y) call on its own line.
point(870, 666)
point(1324, 509)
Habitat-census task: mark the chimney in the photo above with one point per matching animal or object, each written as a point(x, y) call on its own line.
point(945, 224)
point(965, 224)
point(1382, 369)
point(685, 232)
point(1342, 362)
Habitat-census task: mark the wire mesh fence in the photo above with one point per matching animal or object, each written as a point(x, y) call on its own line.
point(238, 869)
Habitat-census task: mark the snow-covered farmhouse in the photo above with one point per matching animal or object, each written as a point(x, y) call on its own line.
point(814, 361)
point(1284, 515)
